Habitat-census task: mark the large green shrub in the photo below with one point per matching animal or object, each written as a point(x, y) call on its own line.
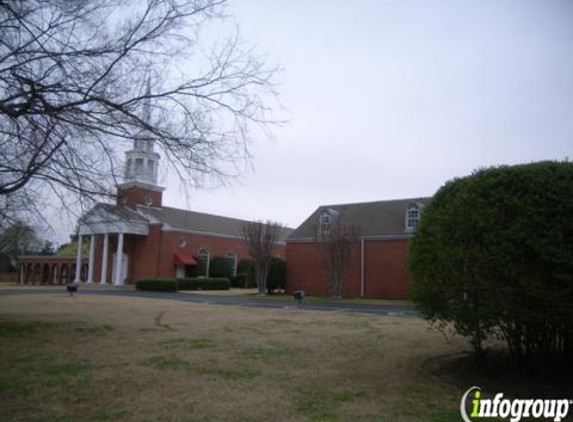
point(493, 254)
point(277, 275)
point(203, 283)
point(219, 267)
point(157, 284)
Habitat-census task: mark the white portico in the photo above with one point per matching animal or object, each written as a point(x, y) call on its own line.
point(115, 222)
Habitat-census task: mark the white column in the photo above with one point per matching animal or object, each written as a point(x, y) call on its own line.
point(103, 277)
point(22, 273)
point(79, 259)
point(118, 256)
point(91, 259)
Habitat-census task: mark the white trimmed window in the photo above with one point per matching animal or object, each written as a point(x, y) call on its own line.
point(324, 222)
point(233, 263)
point(203, 256)
point(412, 216)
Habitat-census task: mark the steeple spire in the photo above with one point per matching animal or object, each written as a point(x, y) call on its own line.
point(142, 161)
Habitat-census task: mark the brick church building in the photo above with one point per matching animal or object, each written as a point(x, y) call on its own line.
point(377, 266)
point(139, 237)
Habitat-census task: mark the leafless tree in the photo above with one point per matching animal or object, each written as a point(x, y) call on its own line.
point(261, 239)
point(76, 77)
point(335, 247)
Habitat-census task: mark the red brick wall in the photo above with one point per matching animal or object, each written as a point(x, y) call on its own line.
point(135, 196)
point(305, 270)
point(385, 273)
point(152, 255)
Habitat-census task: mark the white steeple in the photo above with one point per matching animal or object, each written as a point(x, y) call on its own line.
point(141, 163)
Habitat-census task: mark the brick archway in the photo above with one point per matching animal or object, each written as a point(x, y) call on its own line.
point(48, 269)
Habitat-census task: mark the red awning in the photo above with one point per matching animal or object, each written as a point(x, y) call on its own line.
point(184, 259)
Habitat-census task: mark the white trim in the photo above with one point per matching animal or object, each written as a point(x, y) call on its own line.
point(91, 259)
point(167, 228)
point(234, 267)
point(103, 276)
point(118, 260)
point(206, 249)
point(138, 184)
point(78, 259)
point(115, 227)
point(370, 237)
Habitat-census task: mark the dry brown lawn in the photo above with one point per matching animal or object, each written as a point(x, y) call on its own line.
point(128, 359)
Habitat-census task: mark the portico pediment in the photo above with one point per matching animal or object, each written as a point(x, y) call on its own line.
point(105, 218)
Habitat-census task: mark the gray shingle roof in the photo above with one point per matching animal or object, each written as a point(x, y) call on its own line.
point(380, 218)
point(194, 221)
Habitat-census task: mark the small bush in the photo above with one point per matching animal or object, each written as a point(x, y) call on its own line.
point(157, 284)
point(219, 267)
point(203, 283)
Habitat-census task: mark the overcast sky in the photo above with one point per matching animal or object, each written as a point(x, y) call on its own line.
point(390, 99)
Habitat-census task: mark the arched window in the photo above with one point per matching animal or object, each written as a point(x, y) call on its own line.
point(203, 256)
point(233, 263)
point(128, 168)
point(138, 166)
point(412, 216)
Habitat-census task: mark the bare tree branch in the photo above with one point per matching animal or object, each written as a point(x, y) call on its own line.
point(73, 80)
point(335, 245)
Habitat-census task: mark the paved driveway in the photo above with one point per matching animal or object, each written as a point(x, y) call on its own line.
point(267, 303)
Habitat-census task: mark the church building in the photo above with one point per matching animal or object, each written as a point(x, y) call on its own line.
point(139, 237)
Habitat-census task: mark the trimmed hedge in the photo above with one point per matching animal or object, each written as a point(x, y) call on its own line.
point(203, 283)
point(157, 284)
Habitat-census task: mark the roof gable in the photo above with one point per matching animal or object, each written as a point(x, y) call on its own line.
point(107, 218)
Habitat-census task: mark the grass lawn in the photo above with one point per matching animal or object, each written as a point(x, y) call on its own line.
point(95, 358)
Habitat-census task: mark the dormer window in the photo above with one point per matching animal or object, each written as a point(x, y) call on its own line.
point(324, 221)
point(412, 216)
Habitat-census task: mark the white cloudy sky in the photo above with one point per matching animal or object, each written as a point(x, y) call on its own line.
point(389, 99)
